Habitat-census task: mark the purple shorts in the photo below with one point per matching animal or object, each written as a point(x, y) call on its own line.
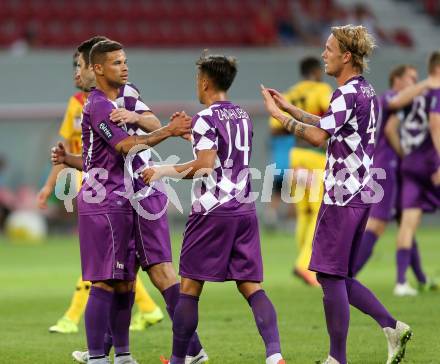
point(152, 234)
point(338, 235)
point(418, 191)
point(222, 248)
point(107, 247)
point(389, 207)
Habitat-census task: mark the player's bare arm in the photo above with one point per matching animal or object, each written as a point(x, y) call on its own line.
point(312, 134)
point(434, 126)
point(392, 134)
point(60, 156)
point(202, 166)
point(176, 127)
point(406, 96)
point(296, 112)
point(147, 121)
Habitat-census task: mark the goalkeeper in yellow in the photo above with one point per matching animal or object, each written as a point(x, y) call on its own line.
point(313, 96)
point(148, 312)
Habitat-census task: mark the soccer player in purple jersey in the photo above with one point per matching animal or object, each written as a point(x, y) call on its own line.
point(403, 80)
point(152, 238)
point(418, 142)
point(221, 240)
point(348, 127)
point(106, 220)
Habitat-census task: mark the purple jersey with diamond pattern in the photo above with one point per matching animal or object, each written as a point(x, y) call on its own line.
point(226, 128)
point(351, 123)
point(129, 98)
point(103, 166)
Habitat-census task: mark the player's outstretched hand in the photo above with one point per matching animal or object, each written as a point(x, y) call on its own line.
point(436, 178)
point(151, 174)
point(188, 136)
point(279, 99)
point(42, 197)
point(123, 116)
point(58, 154)
point(269, 102)
point(180, 124)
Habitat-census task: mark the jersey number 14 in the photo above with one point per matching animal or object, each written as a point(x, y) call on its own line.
point(242, 147)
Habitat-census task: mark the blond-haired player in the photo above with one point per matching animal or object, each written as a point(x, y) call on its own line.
point(348, 127)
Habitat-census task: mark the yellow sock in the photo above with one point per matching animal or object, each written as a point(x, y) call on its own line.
point(305, 252)
point(79, 301)
point(142, 299)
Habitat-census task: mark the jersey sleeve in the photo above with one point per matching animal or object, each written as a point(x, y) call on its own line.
point(435, 102)
point(66, 129)
point(101, 123)
point(338, 113)
point(204, 134)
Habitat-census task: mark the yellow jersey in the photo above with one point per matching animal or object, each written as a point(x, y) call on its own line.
point(311, 96)
point(70, 128)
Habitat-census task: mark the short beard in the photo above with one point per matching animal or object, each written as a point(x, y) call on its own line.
point(116, 84)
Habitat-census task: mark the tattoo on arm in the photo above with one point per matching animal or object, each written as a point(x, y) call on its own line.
point(300, 130)
point(296, 127)
point(290, 125)
point(309, 118)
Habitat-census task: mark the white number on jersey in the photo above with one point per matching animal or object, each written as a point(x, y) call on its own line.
point(242, 148)
point(372, 125)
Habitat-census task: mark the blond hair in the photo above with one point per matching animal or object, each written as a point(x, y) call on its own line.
point(356, 40)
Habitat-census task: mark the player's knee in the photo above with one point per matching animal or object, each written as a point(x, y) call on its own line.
point(124, 286)
point(163, 275)
point(376, 226)
point(106, 286)
point(247, 289)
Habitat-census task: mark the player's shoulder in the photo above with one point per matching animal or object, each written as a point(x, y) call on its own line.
point(351, 87)
point(205, 113)
point(434, 93)
point(98, 101)
point(129, 90)
point(433, 99)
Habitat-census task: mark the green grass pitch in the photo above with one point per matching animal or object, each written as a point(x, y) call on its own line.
point(37, 283)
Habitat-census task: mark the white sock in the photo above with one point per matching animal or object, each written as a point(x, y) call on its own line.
point(274, 358)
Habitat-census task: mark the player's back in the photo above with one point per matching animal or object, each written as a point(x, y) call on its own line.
point(351, 122)
point(227, 128)
point(415, 135)
point(103, 166)
point(416, 139)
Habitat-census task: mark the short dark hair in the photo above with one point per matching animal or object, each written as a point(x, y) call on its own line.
point(75, 59)
point(220, 69)
point(308, 65)
point(434, 61)
point(398, 71)
point(85, 47)
point(98, 51)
